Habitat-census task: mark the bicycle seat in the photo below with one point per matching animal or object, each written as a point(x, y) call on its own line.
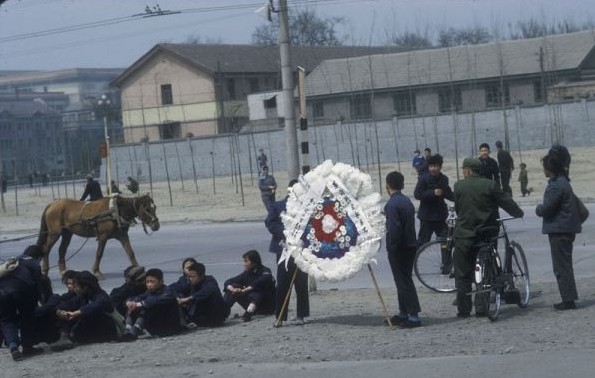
point(487, 233)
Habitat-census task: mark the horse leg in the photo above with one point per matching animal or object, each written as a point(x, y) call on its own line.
point(101, 241)
point(47, 247)
point(64, 243)
point(128, 248)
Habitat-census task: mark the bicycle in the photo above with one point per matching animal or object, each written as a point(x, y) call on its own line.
point(494, 281)
point(433, 261)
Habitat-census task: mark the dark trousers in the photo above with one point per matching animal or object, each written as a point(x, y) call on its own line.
point(524, 190)
point(464, 257)
point(505, 180)
point(440, 229)
point(561, 249)
point(284, 277)
point(401, 265)
point(265, 303)
point(268, 199)
point(159, 320)
point(17, 310)
point(96, 328)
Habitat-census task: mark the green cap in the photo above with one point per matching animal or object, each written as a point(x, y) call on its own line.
point(472, 163)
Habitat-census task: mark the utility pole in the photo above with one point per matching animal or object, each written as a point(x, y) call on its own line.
point(291, 139)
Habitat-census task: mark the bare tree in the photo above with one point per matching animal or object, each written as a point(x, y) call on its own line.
point(465, 36)
point(411, 40)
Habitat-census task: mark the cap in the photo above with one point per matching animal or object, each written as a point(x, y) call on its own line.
point(137, 273)
point(472, 163)
point(499, 144)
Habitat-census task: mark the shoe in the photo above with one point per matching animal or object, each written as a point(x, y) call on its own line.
point(299, 321)
point(16, 354)
point(396, 320)
point(463, 315)
point(247, 317)
point(410, 324)
point(32, 351)
point(191, 326)
point(563, 306)
point(129, 337)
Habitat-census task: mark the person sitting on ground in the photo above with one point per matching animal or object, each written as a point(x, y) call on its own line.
point(85, 318)
point(132, 185)
point(134, 285)
point(253, 289)
point(182, 282)
point(156, 310)
point(201, 299)
point(92, 190)
point(20, 291)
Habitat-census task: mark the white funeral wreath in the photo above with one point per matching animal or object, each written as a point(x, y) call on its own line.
point(354, 198)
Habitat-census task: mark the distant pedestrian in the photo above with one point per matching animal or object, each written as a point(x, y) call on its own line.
point(132, 185)
point(561, 222)
point(489, 167)
point(524, 180)
point(4, 183)
point(418, 163)
point(401, 246)
point(262, 160)
point(45, 178)
point(115, 188)
point(267, 186)
point(506, 166)
point(30, 177)
point(92, 190)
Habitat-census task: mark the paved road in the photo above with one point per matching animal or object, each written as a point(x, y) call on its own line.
point(220, 247)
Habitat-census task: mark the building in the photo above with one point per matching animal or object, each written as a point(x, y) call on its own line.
point(437, 81)
point(83, 87)
point(31, 137)
point(179, 90)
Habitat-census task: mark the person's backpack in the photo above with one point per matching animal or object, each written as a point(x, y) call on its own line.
point(8, 266)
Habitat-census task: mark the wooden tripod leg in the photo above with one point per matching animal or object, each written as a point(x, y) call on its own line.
point(286, 301)
point(384, 308)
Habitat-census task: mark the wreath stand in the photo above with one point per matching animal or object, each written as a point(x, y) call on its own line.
point(382, 303)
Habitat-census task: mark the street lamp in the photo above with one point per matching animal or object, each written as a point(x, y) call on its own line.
point(103, 104)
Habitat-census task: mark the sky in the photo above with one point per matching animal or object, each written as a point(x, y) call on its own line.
point(119, 44)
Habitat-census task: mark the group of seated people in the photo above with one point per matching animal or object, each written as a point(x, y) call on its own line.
point(144, 303)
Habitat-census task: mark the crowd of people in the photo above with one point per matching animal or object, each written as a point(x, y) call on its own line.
point(31, 314)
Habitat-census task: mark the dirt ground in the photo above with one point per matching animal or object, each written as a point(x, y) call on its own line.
point(345, 326)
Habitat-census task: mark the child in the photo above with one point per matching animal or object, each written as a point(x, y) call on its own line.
point(253, 289)
point(201, 299)
point(134, 285)
point(524, 180)
point(86, 318)
point(401, 247)
point(183, 280)
point(156, 310)
point(561, 222)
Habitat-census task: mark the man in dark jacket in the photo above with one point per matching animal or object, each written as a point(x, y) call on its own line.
point(92, 190)
point(274, 224)
point(561, 223)
point(477, 201)
point(19, 294)
point(267, 186)
point(401, 247)
point(506, 165)
point(253, 289)
point(489, 167)
point(132, 185)
point(134, 285)
point(202, 299)
point(156, 310)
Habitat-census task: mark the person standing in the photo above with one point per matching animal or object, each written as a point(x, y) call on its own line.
point(477, 201)
point(489, 167)
point(401, 246)
point(267, 186)
point(115, 188)
point(285, 272)
point(561, 222)
point(431, 190)
point(418, 163)
point(132, 185)
point(506, 165)
point(524, 180)
point(92, 190)
point(262, 160)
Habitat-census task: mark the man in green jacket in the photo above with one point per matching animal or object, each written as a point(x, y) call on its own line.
point(476, 202)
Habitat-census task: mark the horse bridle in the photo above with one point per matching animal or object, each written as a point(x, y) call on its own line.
point(143, 211)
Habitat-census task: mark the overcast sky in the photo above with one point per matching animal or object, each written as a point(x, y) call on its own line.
point(120, 44)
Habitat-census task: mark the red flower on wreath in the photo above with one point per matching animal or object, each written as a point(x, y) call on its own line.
point(326, 226)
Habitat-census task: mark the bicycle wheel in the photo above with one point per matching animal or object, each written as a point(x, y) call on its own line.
point(520, 274)
point(489, 293)
point(433, 269)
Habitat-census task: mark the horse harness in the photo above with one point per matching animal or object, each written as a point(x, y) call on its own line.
point(113, 214)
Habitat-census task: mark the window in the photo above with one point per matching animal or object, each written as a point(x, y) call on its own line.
point(404, 103)
point(166, 95)
point(360, 106)
point(450, 99)
point(231, 89)
point(254, 85)
point(318, 109)
point(538, 91)
point(494, 96)
point(169, 130)
point(271, 103)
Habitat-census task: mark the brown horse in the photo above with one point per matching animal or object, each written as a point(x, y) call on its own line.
point(63, 218)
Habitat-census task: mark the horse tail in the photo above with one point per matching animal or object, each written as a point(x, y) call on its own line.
point(43, 230)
